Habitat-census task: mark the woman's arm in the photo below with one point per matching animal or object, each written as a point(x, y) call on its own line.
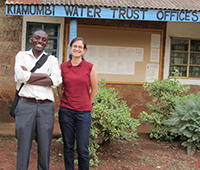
point(94, 84)
point(60, 90)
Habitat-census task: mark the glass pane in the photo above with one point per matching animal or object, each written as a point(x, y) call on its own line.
point(194, 71)
point(51, 30)
point(195, 45)
point(32, 28)
point(180, 45)
point(52, 44)
point(182, 70)
point(29, 45)
point(195, 58)
point(179, 58)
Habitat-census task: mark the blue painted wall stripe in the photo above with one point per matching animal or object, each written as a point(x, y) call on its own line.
point(72, 32)
point(104, 13)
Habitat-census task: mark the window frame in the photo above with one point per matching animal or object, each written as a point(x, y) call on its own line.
point(43, 25)
point(188, 57)
point(51, 20)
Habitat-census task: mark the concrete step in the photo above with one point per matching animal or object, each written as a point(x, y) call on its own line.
point(8, 129)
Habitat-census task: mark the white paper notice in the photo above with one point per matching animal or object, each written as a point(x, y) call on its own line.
point(131, 68)
point(155, 40)
point(114, 60)
point(91, 53)
point(139, 54)
point(155, 55)
point(102, 53)
point(152, 71)
point(102, 66)
point(112, 67)
point(121, 67)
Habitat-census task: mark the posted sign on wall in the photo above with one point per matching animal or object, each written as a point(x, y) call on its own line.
point(103, 12)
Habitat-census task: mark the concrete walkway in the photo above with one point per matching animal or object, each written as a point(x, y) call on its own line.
point(8, 129)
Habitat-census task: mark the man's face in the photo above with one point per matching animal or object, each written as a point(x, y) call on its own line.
point(39, 41)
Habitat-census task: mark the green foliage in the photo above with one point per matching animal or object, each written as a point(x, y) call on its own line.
point(111, 120)
point(163, 103)
point(185, 121)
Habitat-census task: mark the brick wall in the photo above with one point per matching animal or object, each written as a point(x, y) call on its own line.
point(10, 44)
point(137, 97)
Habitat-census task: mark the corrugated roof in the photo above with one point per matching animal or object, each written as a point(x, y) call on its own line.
point(150, 4)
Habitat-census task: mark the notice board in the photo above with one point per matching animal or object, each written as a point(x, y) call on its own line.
point(123, 55)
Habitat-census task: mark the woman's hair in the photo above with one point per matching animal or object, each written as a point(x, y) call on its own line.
point(77, 39)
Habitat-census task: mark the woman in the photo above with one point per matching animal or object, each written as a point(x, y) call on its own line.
point(76, 104)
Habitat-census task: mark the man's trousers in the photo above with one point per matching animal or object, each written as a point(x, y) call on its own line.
point(34, 120)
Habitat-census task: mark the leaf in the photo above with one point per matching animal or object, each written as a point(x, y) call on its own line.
point(187, 133)
point(191, 149)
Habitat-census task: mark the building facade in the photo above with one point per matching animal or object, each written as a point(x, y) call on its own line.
point(129, 42)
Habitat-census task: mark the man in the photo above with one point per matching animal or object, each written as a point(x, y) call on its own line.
point(34, 114)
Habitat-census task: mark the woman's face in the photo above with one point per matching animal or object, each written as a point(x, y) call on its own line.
point(77, 49)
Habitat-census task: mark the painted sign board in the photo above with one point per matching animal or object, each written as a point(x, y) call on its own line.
point(96, 12)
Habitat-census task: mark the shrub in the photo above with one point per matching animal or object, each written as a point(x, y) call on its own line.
point(163, 103)
point(111, 120)
point(185, 121)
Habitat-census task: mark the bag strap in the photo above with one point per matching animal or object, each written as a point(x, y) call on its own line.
point(38, 64)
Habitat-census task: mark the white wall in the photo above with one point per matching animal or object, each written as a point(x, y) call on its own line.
point(182, 30)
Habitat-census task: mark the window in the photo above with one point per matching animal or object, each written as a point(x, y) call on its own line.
point(53, 32)
point(185, 57)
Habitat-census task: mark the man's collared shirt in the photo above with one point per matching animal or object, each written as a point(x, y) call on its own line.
point(50, 67)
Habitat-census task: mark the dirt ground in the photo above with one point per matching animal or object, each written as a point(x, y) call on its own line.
point(140, 154)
